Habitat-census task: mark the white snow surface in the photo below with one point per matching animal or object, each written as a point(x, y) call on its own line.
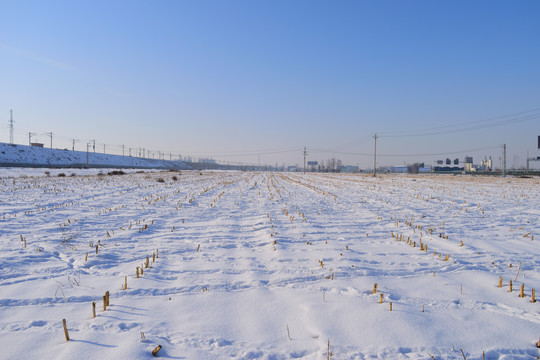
point(268, 266)
point(22, 155)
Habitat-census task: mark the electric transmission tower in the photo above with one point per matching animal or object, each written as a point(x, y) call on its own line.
point(305, 154)
point(11, 126)
point(50, 134)
point(375, 157)
point(30, 134)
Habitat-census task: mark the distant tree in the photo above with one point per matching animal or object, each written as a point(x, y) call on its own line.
point(413, 169)
point(331, 165)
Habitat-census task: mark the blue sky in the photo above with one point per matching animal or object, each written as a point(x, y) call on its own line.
point(247, 80)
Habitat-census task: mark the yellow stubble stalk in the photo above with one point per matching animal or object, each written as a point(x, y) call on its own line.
point(375, 288)
point(65, 329)
point(156, 350)
point(522, 290)
point(533, 299)
point(500, 281)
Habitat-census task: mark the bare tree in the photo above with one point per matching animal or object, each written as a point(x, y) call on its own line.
point(413, 169)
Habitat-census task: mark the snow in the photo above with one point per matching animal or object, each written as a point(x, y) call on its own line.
point(247, 259)
point(21, 155)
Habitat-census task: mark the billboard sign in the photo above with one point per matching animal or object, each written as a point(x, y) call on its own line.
point(312, 163)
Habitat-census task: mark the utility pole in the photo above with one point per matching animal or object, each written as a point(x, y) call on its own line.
point(50, 135)
point(123, 150)
point(87, 147)
point(94, 146)
point(504, 160)
point(375, 157)
point(73, 147)
point(30, 138)
point(305, 154)
point(11, 126)
point(129, 152)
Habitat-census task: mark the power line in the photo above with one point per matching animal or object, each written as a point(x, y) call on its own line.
point(443, 153)
point(428, 154)
point(471, 125)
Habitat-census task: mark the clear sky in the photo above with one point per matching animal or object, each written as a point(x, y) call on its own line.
point(247, 80)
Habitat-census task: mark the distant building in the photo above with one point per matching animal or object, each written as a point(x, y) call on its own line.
point(469, 167)
point(398, 169)
point(292, 168)
point(456, 161)
point(448, 161)
point(349, 169)
point(36, 144)
point(486, 165)
point(468, 160)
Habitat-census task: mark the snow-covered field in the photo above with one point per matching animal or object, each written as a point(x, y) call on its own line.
point(268, 266)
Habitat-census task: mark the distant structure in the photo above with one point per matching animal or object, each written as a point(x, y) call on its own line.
point(486, 164)
point(312, 165)
point(529, 159)
point(11, 128)
point(292, 168)
point(36, 145)
point(349, 169)
point(456, 161)
point(469, 164)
